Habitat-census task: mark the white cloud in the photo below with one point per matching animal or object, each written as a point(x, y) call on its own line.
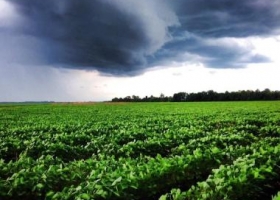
point(268, 46)
point(8, 15)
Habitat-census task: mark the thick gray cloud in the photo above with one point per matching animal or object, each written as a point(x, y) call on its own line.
point(213, 52)
point(125, 37)
point(218, 18)
point(113, 37)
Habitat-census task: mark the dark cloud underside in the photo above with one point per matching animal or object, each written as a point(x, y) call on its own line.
point(124, 37)
point(217, 18)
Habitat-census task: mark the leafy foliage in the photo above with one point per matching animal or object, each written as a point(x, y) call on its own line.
point(140, 151)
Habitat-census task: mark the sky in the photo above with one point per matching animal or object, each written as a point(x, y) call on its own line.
point(95, 50)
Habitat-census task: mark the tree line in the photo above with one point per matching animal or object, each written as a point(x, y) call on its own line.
point(210, 95)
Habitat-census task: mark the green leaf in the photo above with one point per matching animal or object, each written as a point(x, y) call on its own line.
point(117, 180)
point(39, 185)
point(78, 188)
point(85, 196)
point(50, 194)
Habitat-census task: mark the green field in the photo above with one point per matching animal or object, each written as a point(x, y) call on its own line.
point(218, 150)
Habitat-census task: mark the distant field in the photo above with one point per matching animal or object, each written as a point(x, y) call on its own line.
point(217, 150)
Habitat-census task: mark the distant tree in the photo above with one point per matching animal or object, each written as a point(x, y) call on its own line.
point(162, 97)
point(115, 99)
point(127, 98)
point(179, 97)
point(135, 98)
point(210, 95)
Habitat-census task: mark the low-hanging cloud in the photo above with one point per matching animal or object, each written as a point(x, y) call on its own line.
point(125, 37)
point(227, 18)
point(212, 52)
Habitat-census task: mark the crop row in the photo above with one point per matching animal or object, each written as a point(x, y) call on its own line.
point(140, 151)
point(107, 177)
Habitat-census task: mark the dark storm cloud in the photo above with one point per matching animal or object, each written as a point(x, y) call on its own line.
point(218, 18)
point(212, 52)
point(113, 37)
point(124, 37)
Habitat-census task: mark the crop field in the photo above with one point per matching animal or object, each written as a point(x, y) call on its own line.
point(126, 151)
